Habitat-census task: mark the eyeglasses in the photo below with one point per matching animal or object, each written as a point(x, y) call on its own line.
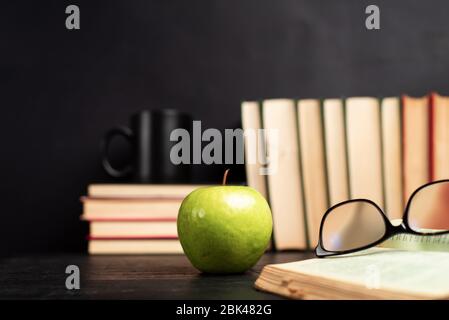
point(359, 224)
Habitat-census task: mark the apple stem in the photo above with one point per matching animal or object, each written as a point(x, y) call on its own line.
point(225, 176)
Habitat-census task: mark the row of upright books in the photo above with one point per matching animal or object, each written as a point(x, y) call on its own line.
point(333, 150)
point(133, 219)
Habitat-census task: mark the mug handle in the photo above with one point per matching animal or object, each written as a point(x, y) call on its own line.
point(122, 131)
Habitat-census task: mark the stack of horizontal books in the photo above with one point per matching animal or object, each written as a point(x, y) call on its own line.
point(332, 150)
point(133, 219)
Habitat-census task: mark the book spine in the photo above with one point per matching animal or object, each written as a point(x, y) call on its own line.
point(161, 237)
point(432, 101)
point(401, 141)
point(325, 155)
point(127, 219)
point(271, 246)
point(132, 198)
point(301, 180)
point(404, 148)
point(346, 137)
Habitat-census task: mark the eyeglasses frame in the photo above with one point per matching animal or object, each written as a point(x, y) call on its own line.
point(390, 229)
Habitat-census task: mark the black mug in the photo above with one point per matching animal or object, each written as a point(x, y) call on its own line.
point(149, 136)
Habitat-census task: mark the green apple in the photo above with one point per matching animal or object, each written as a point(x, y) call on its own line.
point(224, 229)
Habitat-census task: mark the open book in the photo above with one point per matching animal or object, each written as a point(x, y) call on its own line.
point(377, 273)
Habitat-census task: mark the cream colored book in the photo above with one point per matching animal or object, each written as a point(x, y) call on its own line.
point(336, 160)
point(392, 156)
point(313, 165)
point(377, 273)
point(284, 180)
point(140, 190)
point(129, 208)
point(134, 246)
point(254, 146)
point(364, 149)
point(416, 146)
point(161, 229)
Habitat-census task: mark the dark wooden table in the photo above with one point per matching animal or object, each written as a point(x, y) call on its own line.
point(128, 277)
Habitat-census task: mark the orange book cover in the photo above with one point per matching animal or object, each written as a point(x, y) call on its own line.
point(421, 134)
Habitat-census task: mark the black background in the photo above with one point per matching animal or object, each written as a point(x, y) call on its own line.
point(62, 89)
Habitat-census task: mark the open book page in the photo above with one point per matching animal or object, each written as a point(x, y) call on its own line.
point(419, 272)
point(418, 242)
